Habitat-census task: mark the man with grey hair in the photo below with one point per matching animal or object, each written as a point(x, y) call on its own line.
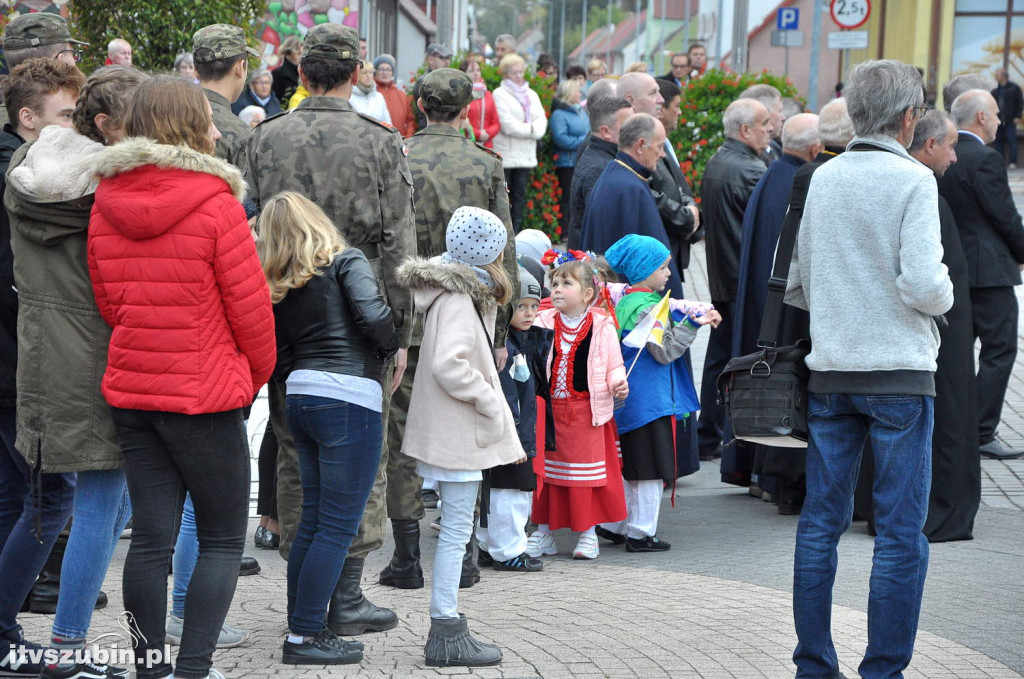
point(729, 178)
point(961, 83)
point(869, 239)
point(956, 466)
point(642, 92)
point(607, 113)
point(770, 96)
point(119, 52)
point(503, 44)
point(835, 129)
point(992, 233)
point(762, 224)
point(1011, 106)
point(621, 202)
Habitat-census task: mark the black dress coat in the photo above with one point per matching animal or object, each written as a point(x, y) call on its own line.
point(673, 197)
point(594, 155)
point(978, 193)
point(956, 462)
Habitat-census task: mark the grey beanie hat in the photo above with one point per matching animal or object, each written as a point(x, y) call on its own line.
point(475, 236)
point(528, 285)
point(384, 59)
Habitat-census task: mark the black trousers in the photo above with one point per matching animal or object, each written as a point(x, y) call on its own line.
point(995, 323)
point(165, 456)
point(516, 178)
point(266, 500)
point(1006, 142)
point(711, 426)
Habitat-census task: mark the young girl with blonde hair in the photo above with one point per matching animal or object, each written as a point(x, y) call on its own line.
point(335, 338)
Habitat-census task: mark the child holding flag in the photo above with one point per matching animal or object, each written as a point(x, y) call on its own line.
point(660, 386)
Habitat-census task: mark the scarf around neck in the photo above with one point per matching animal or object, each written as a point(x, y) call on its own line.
point(522, 95)
point(481, 275)
point(365, 89)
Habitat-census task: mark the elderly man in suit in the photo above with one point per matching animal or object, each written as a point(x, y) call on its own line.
point(992, 233)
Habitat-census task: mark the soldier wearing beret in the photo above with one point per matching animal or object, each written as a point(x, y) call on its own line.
point(38, 35)
point(221, 56)
point(448, 171)
point(355, 169)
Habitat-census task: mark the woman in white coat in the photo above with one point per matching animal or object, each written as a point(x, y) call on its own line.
point(365, 97)
point(523, 123)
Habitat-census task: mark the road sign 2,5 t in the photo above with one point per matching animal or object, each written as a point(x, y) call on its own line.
point(850, 13)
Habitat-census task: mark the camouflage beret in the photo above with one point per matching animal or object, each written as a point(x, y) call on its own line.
point(446, 89)
point(331, 41)
point(36, 30)
point(219, 41)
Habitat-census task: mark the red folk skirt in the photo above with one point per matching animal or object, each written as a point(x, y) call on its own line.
point(579, 505)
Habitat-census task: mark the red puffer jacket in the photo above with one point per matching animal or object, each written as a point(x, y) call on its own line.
point(176, 275)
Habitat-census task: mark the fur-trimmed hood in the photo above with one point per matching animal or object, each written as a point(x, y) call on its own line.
point(59, 166)
point(148, 187)
point(430, 278)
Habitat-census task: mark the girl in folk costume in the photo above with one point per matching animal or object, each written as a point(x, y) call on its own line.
point(458, 422)
point(661, 387)
point(582, 480)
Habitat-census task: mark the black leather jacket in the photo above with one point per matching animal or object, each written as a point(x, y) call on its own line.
point(729, 179)
point(672, 196)
point(338, 322)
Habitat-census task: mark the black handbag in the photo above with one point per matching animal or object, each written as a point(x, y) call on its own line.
point(765, 393)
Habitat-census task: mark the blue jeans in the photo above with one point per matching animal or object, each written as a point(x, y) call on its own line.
point(186, 553)
point(900, 430)
point(458, 504)
point(101, 510)
point(339, 447)
point(28, 498)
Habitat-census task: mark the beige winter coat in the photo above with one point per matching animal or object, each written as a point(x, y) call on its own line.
point(458, 417)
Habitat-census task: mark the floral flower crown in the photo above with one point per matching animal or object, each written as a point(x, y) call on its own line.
point(556, 258)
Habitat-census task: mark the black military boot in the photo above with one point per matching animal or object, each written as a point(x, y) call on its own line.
point(404, 571)
point(470, 571)
point(350, 613)
point(44, 594)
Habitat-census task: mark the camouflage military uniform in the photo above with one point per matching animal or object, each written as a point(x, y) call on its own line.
point(448, 171)
point(234, 134)
point(354, 168)
point(211, 43)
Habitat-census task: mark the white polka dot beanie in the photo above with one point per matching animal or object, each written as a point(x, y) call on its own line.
point(475, 236)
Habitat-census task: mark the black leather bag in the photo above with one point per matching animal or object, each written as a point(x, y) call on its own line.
point(765, 393)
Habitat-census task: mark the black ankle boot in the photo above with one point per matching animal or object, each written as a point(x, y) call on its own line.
point(350, 613)
point(44, 594)
point(470, 571)
point(404, 571)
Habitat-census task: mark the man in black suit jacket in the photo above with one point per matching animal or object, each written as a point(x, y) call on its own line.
point(680, 70)
point(992, 233)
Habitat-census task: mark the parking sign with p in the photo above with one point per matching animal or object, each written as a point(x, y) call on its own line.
point(788, 19)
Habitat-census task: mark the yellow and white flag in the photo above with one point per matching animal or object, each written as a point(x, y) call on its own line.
point(652, 328)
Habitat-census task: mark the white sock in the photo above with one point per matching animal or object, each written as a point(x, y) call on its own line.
point(544, 528)
point(590, 531)
point(296, 639)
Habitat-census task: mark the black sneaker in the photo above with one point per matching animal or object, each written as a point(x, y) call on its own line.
point(430, 498)
point(610, 536)
point(85, 670)
point(523, 563)
point(22, 658)
point(647, 544)
point(483, 558)
point(323, 648)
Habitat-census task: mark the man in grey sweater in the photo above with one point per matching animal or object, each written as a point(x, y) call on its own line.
point(868, 268)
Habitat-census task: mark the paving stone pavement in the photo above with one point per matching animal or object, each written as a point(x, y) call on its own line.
point(716, 606)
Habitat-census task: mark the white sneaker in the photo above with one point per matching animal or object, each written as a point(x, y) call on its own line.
point(541, 544)
point(586, 548)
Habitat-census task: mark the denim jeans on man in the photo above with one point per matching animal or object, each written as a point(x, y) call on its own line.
point(900, 431)
point(458, 504)
point(339, 446)
point(101, 510)
point(165, 456)
point(34, 508)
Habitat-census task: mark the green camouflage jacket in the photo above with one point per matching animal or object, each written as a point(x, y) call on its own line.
point(448, 172)
point(354, 168)
point(233, 132)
